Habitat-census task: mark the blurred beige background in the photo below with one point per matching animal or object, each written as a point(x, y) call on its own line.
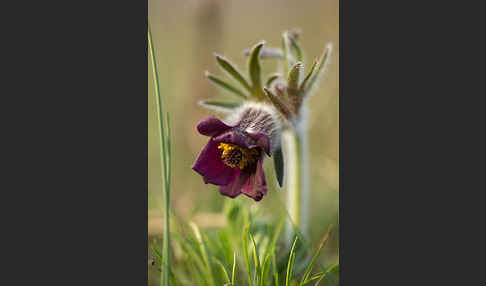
point(186, 33)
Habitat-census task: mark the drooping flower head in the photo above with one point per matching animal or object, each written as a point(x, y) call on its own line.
point(233, 157)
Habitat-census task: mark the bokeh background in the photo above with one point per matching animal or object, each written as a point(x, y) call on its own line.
point(186, 33)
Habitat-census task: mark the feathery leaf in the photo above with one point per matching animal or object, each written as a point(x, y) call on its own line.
point(255, 70)
point(219, 105)
point(227, 66)
point(225, 85)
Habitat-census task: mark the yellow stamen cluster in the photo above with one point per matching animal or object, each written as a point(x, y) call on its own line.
point(234, 155)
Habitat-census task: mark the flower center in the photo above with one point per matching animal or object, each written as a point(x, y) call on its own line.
point(234, 155)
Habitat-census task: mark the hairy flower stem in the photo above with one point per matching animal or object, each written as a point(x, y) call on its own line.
point(296, 172)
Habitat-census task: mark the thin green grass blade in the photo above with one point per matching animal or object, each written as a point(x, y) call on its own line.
point(225, 85)
point(232, 71)
point(290, 264)
point(163, 152)
point(276, 234)
point(233, 271)
point(313, 278)
point(264, 270)
point(169, 154)
point(275, 271)
point(245, 253)
point(331, 276)
point(226, 276)
point(309, 267)
point(205, 256)
point(256, 259)
point(255, 70)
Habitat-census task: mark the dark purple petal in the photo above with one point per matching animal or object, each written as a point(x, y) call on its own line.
point(233, 189)
point(212, 126)
point(255, 186)
point(211, 167)
point(262, 141)
point(235, 137)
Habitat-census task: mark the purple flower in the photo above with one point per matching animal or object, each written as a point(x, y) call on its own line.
point(233, 157)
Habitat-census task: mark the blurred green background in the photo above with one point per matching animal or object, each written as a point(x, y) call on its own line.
point(186, 33)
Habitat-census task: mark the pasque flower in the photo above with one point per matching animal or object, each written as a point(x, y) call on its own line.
point(233, 157)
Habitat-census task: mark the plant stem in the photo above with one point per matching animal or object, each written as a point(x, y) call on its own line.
point(165, 172)
point(296, 172)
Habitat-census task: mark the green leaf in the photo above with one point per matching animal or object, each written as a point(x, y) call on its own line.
point(308, 76)
point(293, 79)
point(296, 47)
point(278, 163)
point(225, 85)
point(290, 263)
point(286, 52)
point(271, 79)
point(278, 103)
point(267, 53)
point(309, 267)
point(320, 69)
point(227, 66)
point(219, 105)
point(255, 70)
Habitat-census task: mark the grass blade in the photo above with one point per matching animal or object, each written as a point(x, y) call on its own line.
point(331, 276)
point(245, 253)
point(263, 270)
point(224, 270)
point(275, 271)
point(309, 267)
point(163, 154)
point(256, 259)
point(290, 264)
point(233, 271)
point(225, 85)
point(202, 246)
